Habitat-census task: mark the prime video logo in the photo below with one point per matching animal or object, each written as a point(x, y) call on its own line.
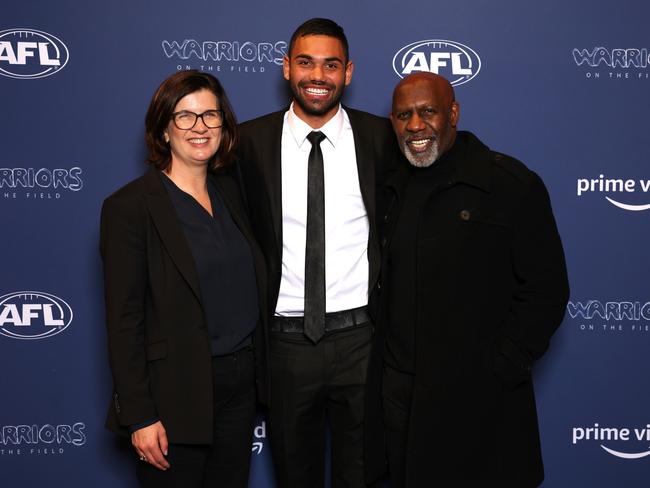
point(33, 315)
point(259, 434)
point(610, 435)
point(614, 185)
point(30, 54)
point(455, 61)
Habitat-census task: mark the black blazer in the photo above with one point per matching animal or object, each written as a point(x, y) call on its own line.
point(260, 161)
point(158, 342)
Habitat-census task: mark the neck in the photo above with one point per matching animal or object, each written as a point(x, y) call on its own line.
point(192, 180)
point(315, 121)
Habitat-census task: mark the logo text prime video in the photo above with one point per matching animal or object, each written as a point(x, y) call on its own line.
point(615, 185)
point(609, 437)
point(29, 54)
point(455, 61)
point(33, 315)
point(40, 439)
point(240, 56)
point(614, 63)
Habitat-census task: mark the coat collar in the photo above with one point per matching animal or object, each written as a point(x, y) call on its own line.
point(471, 165)
point(169, 228)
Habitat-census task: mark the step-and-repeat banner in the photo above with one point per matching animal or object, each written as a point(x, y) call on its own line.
point(563, 85)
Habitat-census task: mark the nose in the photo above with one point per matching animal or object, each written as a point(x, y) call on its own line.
point(199, 125)
point(415, 123)
point(317, 73)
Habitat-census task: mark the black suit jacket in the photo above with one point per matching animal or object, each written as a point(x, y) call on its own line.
point(260, 161)
point(159, 349)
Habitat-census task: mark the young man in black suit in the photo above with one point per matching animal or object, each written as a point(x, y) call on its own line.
point(310, 173)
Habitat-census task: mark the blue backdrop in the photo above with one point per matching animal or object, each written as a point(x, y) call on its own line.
point(563, 85)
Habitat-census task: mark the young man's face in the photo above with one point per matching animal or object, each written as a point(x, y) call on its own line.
point(318, 72)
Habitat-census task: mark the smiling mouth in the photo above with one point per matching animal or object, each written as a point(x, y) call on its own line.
point(421, 144)
point(198, 140)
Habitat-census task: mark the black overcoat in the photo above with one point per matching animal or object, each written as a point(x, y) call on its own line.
point(491, 288)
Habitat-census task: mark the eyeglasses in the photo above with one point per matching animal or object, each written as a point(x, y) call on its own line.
point(185, 120)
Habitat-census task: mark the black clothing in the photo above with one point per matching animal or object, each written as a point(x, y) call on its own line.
point(219, 250)
point(490, 288)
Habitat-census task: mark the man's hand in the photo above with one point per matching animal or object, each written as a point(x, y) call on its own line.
point(151, 444)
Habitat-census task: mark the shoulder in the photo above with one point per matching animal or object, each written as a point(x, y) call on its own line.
point(505, 170)
point(131, 196)
point(263, 123)
point(372, 121)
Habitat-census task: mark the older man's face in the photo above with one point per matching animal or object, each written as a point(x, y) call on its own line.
point(424, 119)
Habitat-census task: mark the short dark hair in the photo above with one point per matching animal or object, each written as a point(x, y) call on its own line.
point(162, 106)
point(320, 27)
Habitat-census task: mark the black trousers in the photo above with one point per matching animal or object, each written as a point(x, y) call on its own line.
point(313, 385)
point(225, 462)
point(397, 391)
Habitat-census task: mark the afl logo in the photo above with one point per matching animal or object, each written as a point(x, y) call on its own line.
point(453, 60)
point(33, 315)
point(29, 54)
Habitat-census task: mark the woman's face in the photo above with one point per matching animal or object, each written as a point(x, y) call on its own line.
point(197, 145)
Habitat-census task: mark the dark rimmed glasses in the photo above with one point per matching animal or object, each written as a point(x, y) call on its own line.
point(185, 120)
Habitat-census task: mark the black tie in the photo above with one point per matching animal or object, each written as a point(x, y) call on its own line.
point(315, 249)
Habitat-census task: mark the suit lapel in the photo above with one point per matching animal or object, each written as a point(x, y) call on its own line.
point(230, 195)
point(170, 231)
point(363, 148)
point(273, 173)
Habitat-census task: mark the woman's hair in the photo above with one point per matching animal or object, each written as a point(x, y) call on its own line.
point(161, 107)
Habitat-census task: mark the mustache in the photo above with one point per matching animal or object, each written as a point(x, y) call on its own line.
point(324, 84)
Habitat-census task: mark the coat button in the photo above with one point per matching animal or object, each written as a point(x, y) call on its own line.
point(465, 215)
point(383, 242)
point(386, 218)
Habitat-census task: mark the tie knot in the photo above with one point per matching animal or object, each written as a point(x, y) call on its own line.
point(315, 137)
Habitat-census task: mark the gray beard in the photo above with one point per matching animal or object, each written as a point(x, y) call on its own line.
point(422, 160)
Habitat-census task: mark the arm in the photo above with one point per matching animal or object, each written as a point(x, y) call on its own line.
point(123, 250)
point(542, 290)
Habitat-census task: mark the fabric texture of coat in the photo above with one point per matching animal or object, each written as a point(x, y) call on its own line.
point(491, 288)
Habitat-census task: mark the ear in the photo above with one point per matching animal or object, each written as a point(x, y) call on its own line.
point(349, 68)
point(286, 67)
point(166, 137)
point(454, 114)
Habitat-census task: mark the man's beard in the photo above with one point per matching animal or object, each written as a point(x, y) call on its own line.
point(422, 159)
point(311, 109)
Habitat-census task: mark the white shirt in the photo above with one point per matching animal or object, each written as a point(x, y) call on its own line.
point(346, 220)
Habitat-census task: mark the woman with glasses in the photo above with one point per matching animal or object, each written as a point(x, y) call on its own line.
point(184, 283)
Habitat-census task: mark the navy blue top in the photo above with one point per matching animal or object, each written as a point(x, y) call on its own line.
point(224, 264)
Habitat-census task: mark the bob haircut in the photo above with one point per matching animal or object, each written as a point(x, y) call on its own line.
point(160, 112)
point(320, 27)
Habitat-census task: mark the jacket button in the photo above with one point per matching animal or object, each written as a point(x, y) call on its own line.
point(386, 218)
point(383, 242)
point(465, 215)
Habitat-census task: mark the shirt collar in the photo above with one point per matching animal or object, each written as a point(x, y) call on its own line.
point(299, 129)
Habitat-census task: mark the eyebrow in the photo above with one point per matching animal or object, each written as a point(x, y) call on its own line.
point(307, 56)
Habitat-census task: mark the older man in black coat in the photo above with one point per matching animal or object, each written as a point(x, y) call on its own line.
point(473, 286)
